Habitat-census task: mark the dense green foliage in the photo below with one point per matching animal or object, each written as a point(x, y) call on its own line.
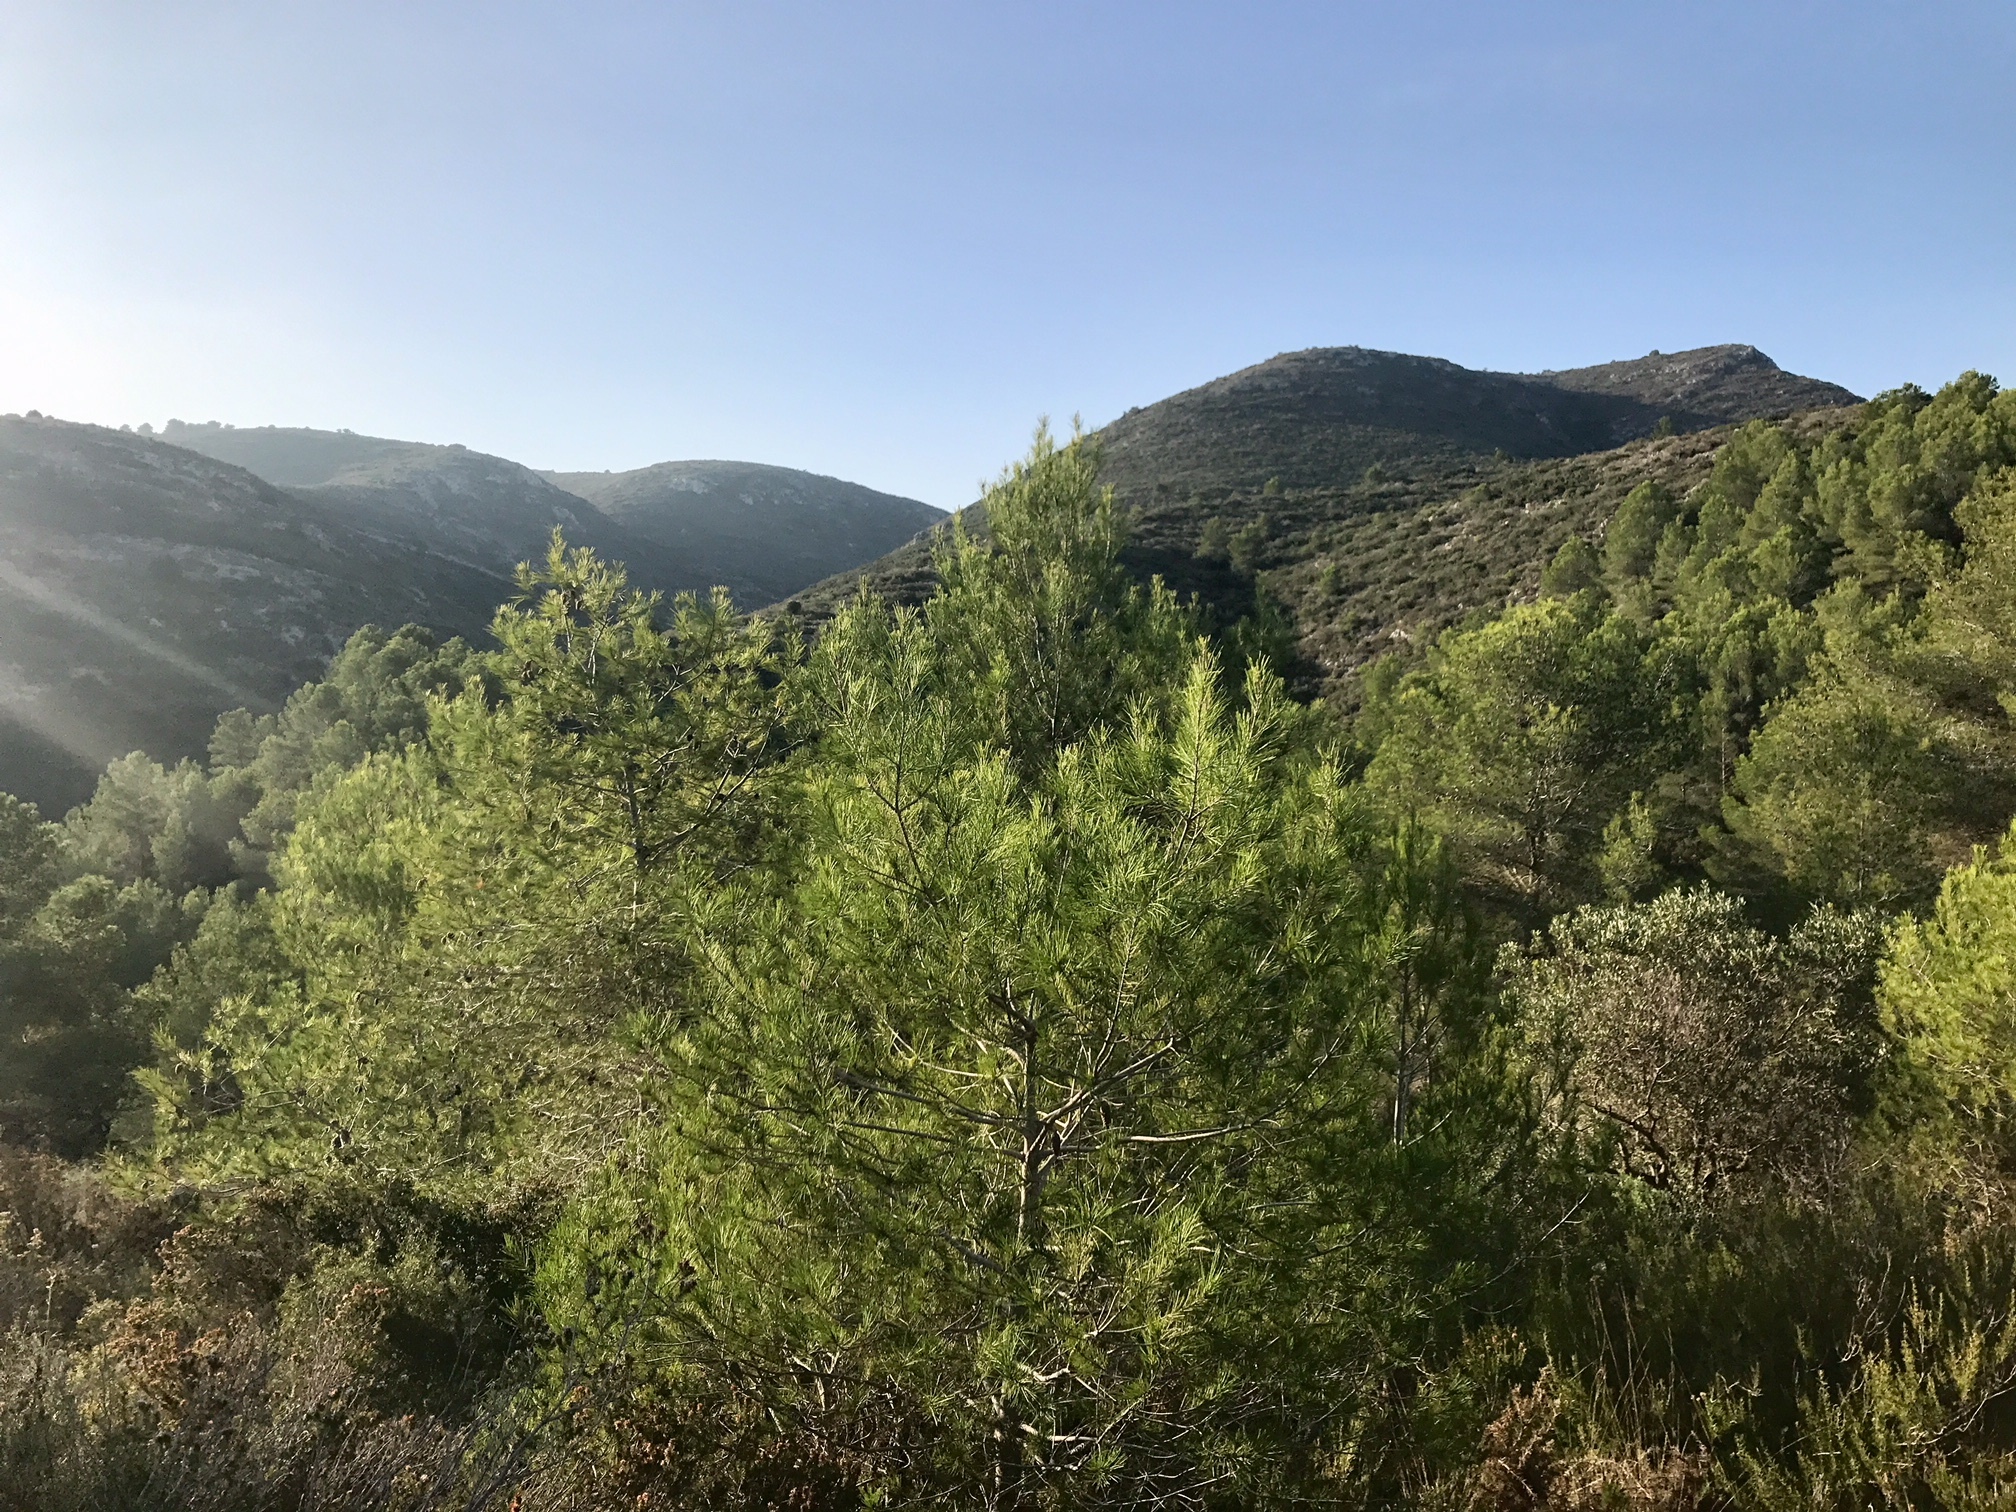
point(92, 907)
point(1789, 681)
point(1008, 1052)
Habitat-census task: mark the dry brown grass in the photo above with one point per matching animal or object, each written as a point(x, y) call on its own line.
point(1525, 1470)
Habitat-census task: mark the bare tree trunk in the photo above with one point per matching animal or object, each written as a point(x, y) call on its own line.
point(1403, 1056)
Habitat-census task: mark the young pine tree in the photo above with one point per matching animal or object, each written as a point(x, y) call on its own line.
point(1036, 1122)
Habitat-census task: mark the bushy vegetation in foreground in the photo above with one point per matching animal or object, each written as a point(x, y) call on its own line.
point(1008, 1054)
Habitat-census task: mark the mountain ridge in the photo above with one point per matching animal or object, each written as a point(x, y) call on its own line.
point(150, 582)
point(1321, 416)
point(1375, 497)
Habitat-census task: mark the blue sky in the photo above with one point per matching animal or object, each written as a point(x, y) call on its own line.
point(880, 239)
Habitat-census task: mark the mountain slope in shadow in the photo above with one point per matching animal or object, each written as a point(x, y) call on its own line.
point(147, 584)
point(483, 511)
point(767, 531)
point(144, 589)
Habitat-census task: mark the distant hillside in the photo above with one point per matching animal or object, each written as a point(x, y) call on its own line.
point(481, 510)
point(762, 532)
point(1391, 563)
point(291, 456)
point(767, 531)
point(1320, 418)
point(144, 589)
point(148, 583)
point(1378, 497)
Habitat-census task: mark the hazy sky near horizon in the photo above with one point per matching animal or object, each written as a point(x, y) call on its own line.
point(879, 239)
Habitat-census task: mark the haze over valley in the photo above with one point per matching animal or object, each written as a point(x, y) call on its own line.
point(149, 583)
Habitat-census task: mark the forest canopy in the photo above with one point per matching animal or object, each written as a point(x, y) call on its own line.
point(1009, 1053)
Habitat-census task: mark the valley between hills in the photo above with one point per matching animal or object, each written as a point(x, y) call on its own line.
point(150, 583)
